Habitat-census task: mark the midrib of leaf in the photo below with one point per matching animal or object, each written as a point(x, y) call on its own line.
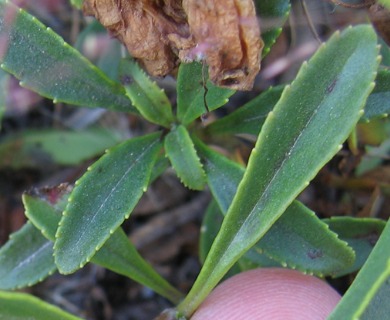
point(250, 222)
point(302, 133)
point(32, 256)
point(113, 190)
point(258, 205)
point(278, 157)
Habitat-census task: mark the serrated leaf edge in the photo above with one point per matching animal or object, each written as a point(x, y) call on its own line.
point(65, 44)
point(111, 231)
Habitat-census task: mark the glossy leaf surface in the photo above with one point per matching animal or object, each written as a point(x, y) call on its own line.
point(118, 254)
point(180, 150)
point(22, 306)
point(25, 259)
point(147, 97)
point(313, 117)
point(102, 199)
point(44, 63)
point(191, 93)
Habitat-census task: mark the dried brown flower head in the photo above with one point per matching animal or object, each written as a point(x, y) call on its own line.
point(380, 17)
point(163, 33)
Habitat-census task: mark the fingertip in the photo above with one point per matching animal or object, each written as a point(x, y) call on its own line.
point(269, 293)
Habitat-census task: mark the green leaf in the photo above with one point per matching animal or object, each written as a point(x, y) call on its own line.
point(298, 239)
point(102, 199)
point(378, 103)
point(313, 117)
point(250, 117)
point(373, 157)
point(40, 148)
point(272, 14)
point(369, 286)
point(180, 150)
point(379, 307)
point(386, 3)
point(360, 233)
point(191, 93)
point(384, 52)
point(4, 79)
point(117, 254)
point(77, 3)
point(109, 58)
point(26, 258)
point(22, 306)
point(46, 64)
point(147, 97)
point(223, 175)
point(211, 223)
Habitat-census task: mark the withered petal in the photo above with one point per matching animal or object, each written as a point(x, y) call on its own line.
point(160, 34)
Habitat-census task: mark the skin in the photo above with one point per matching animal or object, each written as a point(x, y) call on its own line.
point(269, 294)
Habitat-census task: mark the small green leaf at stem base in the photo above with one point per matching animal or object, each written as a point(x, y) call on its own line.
point(182, 154)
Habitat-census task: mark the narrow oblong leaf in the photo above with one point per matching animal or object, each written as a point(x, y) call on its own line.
point(379, 306)
point(102, 199)
point(22, 306)
point(4, 79)
point(211, 223)
point(192, 101)
point(301, 241)
point(371, 282)
point(77, 3)
point(272, 14)
point(41, 148)
point(180, 150)
point(147, 97)
point(118, 254)
point(49, 66)
point(26, 258)
point(306, 128)
point(360, 233)
point(250, 117)
point(378, 103)
point(298, 239)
